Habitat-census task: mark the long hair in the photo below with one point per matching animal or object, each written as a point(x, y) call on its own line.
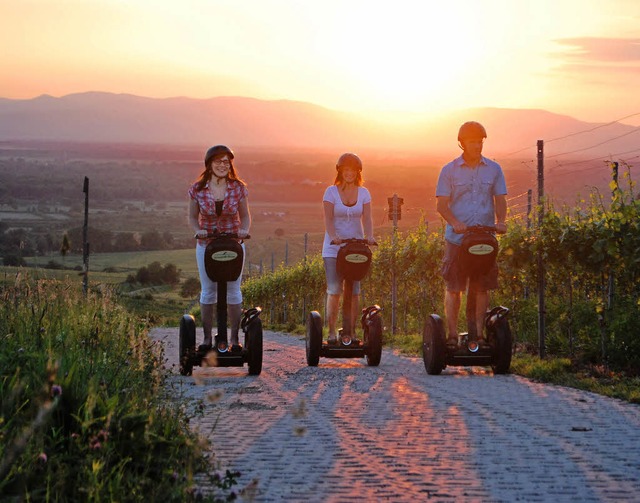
point(340, 180)
point(206, 175)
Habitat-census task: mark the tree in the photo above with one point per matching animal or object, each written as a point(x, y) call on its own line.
point(152, 240)
point(125, 241)
point(66, 246)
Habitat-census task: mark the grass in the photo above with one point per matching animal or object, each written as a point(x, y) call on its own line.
point(83, 411)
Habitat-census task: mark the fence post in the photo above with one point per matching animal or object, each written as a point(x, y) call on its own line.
point(395, 213)
point(304, 298)
point(614, 168)
point(541, 265)
point(85, 238)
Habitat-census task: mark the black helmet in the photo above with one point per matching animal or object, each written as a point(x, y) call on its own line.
point(349, 159)
point(215, 151)
point(471, 129)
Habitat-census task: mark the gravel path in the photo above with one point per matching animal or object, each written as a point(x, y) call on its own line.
point(343, 431)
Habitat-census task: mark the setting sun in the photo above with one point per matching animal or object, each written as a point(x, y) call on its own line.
point(566, 56)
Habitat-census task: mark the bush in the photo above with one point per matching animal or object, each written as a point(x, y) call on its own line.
point(14, 261)
point(190, 288)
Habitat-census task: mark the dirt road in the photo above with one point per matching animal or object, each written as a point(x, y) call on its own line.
point(343, 431)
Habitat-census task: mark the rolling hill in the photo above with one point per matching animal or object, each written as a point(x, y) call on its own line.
point(248, 122)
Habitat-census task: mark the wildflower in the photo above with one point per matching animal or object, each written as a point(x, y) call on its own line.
point(56, 390)
point(42, 458)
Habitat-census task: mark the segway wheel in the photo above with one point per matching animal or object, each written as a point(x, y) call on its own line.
point(253, 343)
point(373, 341)
point(503, 347)
point(187, 344)
point(433, 345)
point(313, 338)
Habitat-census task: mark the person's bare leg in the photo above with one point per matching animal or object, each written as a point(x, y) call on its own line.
point(235, 315)
point(206, 313)
point(482, 304)
point(451, 312)
point(333, 303)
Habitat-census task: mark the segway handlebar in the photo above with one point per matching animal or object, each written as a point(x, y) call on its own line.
point(353, 240)
point(217, 235)
point(478, 228)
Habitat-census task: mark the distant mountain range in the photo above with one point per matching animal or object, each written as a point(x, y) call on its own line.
point(249, 122)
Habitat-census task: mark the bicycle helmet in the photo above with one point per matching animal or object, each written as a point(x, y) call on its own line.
point(471, 129)
point(349, 159)
point(215, 151)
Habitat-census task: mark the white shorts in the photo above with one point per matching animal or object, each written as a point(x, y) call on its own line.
point(209, 289)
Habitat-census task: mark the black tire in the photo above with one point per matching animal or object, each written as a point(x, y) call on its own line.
point(503, 347)
point(313, 339)
point(253, 343)
point(433, 345)
point(187, 344)
point(373, 340)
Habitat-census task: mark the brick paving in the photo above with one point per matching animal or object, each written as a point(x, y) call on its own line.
point(344, 431)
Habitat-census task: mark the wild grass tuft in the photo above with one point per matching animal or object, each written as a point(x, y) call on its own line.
point(81, 412)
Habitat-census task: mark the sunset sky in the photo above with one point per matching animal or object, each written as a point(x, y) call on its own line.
point(576, 57)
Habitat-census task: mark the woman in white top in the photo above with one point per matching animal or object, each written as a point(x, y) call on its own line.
point(347, 214)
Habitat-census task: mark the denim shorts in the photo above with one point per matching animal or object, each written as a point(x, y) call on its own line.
point(455, 277)
point(334, 283)
point(209, 289)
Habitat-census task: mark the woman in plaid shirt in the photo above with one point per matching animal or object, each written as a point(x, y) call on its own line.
point(218, 201)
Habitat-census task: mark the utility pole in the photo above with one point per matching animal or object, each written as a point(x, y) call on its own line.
point(541, 266)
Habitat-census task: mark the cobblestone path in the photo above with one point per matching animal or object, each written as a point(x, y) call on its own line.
point(343, 431)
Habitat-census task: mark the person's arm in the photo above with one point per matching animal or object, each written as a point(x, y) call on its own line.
point(500, 203)
point(444, 209)
point(329, 225)
point(192, 219)
point(245, 217)
point(367, 222)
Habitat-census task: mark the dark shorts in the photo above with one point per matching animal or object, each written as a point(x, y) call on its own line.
point(456, 278)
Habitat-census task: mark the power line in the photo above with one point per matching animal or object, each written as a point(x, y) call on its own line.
point(596, 158)
point(592, 129)
point(577, 133)
point(596, 145)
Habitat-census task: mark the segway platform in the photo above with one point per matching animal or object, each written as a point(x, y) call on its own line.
point(220, 355)
point(495, 352)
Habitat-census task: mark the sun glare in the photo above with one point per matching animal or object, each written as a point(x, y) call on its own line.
point(400, 58)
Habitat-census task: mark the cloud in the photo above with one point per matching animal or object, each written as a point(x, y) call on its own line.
point(604, 50)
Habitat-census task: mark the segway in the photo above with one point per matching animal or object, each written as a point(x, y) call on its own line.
point(480, 247)
point(353, 263)
point(223, 263)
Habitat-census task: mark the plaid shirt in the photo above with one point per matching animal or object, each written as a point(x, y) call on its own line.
point(228, 221)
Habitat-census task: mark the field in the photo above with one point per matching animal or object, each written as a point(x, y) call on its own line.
point(138, 189)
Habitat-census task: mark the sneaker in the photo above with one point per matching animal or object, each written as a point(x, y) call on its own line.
point(333, 339)
point(452, 340)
